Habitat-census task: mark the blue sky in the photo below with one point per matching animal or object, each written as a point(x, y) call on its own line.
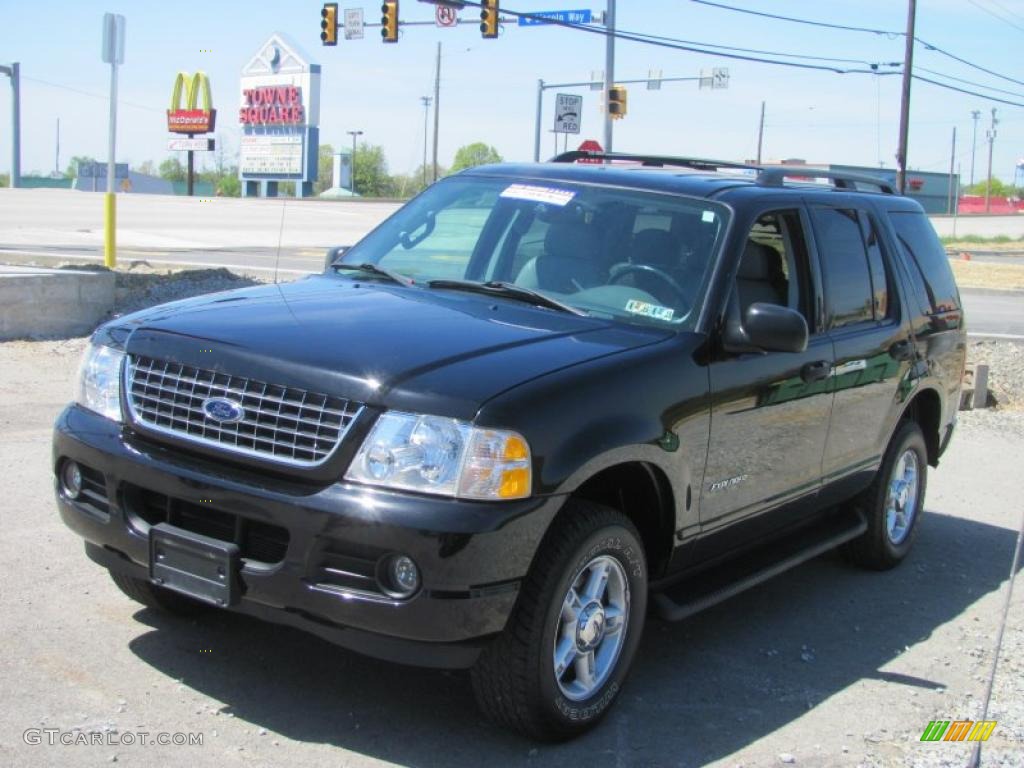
point(489, 86)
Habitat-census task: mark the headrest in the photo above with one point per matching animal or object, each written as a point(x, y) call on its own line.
point(572, 238)
point(656, 247)
point(759, 262)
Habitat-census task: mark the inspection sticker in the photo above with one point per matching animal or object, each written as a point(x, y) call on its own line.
point(539, 194)
point(649, 310)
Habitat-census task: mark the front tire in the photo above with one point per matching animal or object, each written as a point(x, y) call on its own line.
point(567, 648)
point(893, 503)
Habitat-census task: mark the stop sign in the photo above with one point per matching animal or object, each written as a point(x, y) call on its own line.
point(590, 145)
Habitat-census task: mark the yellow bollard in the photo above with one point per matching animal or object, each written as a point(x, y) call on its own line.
point(109, 220)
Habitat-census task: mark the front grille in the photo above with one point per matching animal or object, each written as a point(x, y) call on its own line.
point(283, 424)
point(256, 540)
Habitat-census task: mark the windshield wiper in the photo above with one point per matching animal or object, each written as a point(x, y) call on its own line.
point(373, 269)
point(508, 291)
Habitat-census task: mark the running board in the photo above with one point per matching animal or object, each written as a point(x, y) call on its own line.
point(722, 582)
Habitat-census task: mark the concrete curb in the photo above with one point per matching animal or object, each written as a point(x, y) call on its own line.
point(53, 303)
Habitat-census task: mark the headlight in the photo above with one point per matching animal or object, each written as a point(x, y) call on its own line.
point(99, 381)
point(431, 454)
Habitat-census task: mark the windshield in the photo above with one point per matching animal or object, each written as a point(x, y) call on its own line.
point(636, 256)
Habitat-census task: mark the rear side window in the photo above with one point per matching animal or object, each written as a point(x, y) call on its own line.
point(926, 259)
point(847, 279)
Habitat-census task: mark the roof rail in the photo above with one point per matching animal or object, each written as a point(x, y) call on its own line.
point(767, 176)
point(775, 176)
point(654, 161)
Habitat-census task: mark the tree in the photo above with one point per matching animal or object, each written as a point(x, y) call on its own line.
point(324, 169)
point(999, 189)
point(146, 168)
point(229, 185)
point(475, 154)
point(371, 172)
point(5, 180)
point(72, 171)
point(172, 170)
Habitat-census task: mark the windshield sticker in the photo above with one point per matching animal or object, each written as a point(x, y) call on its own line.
point(649, 310)
point(557, 197)
point(708, 217)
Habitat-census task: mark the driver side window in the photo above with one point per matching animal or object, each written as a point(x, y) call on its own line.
point(773, 267)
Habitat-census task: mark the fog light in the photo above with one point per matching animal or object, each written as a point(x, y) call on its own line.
point(403, 576)
point(71, 479)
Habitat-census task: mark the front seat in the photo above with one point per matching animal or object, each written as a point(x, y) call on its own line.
point(570, 260)
point(760, 277)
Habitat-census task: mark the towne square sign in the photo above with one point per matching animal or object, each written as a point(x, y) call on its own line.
point(279, 114)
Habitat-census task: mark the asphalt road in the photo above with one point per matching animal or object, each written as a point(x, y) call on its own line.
point(993, 313)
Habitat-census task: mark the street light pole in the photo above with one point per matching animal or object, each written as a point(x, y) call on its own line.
point(426, 113)
point(354, 134)
point(14, 72)
point(609, 71)
point(975, 114)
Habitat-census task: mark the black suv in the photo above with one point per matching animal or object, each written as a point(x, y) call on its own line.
point(530, 399)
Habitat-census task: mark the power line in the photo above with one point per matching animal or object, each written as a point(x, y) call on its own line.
point(1006, 10)
point(888, 33)
point(92, 95)
point(969, 82)
point(995, 15)
point(964, 90)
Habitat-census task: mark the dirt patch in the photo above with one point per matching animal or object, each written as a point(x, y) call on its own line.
point(977, 274)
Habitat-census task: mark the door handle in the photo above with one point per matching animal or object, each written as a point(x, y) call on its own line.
point(816, 371)
point(903, 350)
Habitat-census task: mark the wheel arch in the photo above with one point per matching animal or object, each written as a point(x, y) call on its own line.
point(925, 409)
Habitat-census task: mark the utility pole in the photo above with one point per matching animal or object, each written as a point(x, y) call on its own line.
point(536, 128)
point(354, 135)
point(609, 71)
point(952, 187)
point(437, 103)
point(14, 72)
point(426, 113)
point(908, 64)
point(991, 143)
point(760, 134)
point(56, 161)
point(975, 114)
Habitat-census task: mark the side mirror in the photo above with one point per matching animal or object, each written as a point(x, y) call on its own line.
point(767, 327)
point(334, 254)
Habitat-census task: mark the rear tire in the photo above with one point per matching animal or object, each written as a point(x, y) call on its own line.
point(158, 598)
point(893, 503)
point(563, 657)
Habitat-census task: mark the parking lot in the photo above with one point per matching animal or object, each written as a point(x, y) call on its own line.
point(825, 665)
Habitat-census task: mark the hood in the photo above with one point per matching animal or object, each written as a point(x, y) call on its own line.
point(412, 348)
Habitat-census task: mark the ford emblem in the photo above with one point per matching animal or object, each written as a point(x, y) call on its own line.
point(223, 410)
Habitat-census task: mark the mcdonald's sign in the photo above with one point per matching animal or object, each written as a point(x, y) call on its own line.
point(185, 116)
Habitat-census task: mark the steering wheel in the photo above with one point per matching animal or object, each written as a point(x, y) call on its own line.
point(625, 269)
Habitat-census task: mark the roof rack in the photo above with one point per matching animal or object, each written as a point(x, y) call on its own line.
point(776, 175)
point(767, 176)
point(653, 161)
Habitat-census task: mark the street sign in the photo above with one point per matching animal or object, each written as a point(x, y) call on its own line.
point(566, 17)
point(113, 38)
point(94, 170)
point(720, 77)
point(568, 110)
point(446, 16)
point(654, 80)
point(353, 23)
point(190, 145)
point(590, 145)
point(597, 80)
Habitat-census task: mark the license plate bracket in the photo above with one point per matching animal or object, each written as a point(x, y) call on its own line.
point(198, 566)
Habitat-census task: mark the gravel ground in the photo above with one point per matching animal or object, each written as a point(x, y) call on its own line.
point(823, 666)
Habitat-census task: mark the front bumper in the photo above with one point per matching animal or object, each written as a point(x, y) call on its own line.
point(317, 572)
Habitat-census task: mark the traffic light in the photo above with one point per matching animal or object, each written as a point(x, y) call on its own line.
point(617, 102)
point(389, 21)
point(329, 24)
point(489, 18)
